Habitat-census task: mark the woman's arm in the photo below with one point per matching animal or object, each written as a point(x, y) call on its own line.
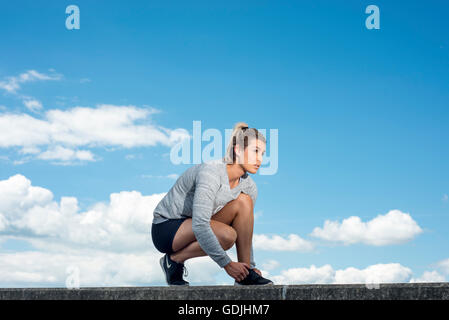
point(207, 185)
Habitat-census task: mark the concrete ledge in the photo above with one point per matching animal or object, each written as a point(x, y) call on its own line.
point(384, 291)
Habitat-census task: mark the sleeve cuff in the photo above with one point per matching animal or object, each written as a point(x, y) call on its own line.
point(223, 261)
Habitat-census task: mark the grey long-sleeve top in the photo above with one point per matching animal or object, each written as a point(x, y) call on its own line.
point(200, 192)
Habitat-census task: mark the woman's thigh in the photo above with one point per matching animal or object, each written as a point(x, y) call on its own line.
point(184, 236)
point(230, 210)
point(220, 222)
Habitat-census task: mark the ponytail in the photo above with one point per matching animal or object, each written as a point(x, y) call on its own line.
point(241, 136)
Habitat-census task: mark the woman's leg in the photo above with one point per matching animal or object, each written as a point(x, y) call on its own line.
point(241, 218)
point(233, 223)
point(226, 235)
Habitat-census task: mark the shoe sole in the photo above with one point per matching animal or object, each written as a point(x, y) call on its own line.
point(253, 285)
point(161, 262)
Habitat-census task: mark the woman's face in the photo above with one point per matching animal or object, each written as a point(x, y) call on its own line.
point(252, 155)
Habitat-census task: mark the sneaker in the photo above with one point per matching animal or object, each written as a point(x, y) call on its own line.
point(173, 271)
point(253, 278)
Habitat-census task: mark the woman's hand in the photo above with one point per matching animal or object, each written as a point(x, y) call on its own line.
point(237, 270)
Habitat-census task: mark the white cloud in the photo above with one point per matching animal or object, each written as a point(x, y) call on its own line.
point(13, 84)
point(31, 214)
point(64, 130)
point(110, 242)
point(379, 273)
point(130, 156)
point(444, 266)
point(445, 198)
point(277, 243)
point(324, 274)
point(203, 270)
point(96, 268)
point(21, 161)
point(3, 222)
point(29, 150)
point(430, 276)
point(108, 125)
point(270, 265)
point(392, 228)
point(66, 154)
point(32, 104)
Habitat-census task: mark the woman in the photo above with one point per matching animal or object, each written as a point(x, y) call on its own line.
point(209, 208)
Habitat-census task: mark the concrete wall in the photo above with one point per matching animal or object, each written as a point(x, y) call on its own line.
point(393, 291)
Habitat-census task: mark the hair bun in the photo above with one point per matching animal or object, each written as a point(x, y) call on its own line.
point(240, 125)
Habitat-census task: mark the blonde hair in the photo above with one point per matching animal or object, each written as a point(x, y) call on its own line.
point(241, 136)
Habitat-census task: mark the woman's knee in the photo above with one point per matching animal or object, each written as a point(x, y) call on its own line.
point(230, 237)
point(245, 202)
point(226, 235)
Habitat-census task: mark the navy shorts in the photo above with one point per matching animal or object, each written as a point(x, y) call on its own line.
point(163, 234)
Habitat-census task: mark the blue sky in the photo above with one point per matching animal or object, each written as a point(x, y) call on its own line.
point(361, 116)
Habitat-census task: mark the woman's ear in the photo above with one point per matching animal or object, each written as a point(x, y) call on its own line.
point(238, 154)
